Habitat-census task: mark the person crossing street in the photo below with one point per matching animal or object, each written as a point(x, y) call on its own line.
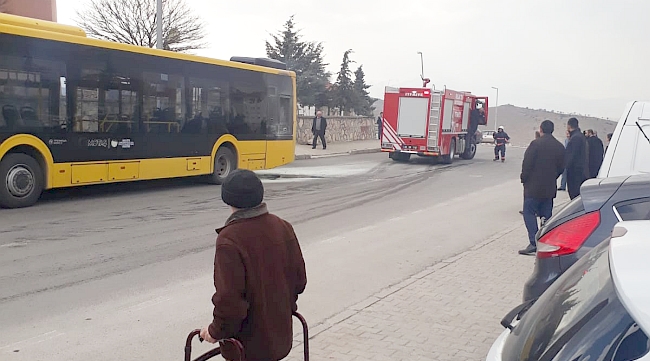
point(500, 140)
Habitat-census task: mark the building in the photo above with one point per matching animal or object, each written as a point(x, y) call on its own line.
point(38, 9)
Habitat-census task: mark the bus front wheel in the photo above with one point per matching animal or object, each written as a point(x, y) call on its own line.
point(22, 181)
point(224, 163)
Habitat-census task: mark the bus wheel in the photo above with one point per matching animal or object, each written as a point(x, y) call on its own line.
point(470, 152)
point(224, 163)
point(449, 158)
point(21, 181)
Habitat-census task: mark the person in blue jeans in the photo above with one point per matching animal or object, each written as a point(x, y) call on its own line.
point(543, 164)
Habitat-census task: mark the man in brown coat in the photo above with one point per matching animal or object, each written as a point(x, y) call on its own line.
point(259, 272)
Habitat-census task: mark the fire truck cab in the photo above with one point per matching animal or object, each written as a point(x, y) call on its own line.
point(431, 123)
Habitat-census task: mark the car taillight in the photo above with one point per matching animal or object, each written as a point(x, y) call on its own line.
point(568, 237)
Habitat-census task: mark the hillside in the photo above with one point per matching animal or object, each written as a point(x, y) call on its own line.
point(521, 123)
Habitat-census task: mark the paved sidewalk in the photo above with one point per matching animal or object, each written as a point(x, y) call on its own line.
point(337, 149)
point(450, 311)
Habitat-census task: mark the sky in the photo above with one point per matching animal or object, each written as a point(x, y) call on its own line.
point(582, 56)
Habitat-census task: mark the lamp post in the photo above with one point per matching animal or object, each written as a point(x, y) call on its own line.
point(496, 109)
point(159, 40)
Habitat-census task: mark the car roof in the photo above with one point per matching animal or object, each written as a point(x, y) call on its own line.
point(629, 252)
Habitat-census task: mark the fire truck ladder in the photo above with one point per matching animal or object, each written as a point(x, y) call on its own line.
point(434, 118)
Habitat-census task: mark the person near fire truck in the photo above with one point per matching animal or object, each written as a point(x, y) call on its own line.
point(380, 124)
point(500, 140)
point(477, 117)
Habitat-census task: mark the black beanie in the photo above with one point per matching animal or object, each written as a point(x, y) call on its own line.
point(242, 189)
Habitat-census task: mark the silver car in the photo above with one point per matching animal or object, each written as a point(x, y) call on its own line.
point(599, 309)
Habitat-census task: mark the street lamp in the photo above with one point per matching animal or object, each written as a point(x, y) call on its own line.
point(496, 110)
point(425, 81)
point(159, 41)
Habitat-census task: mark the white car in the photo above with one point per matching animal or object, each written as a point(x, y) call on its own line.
point(629, 149)
point(599, 309)
point(488, 136)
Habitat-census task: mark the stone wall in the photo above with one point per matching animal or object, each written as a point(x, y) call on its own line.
point(339, 129)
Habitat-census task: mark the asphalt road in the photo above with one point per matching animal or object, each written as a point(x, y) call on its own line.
point(124, 271)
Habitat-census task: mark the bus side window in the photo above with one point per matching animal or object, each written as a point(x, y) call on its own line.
point(30, 93)
point(164, 103)
point(209, 106)
point(248, 106)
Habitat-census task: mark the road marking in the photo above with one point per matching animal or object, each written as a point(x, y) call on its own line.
point(12, 244)
point(333, 239)
point(35, 339)
point(366, 228)
point(396, 219)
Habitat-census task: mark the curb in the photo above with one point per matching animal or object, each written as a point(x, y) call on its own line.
point(351, 152)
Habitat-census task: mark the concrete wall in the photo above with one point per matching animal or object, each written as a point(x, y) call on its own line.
point(339, 129)
point(38, 9)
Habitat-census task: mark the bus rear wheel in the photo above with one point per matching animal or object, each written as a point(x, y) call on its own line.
point(21, 181)
point(225, 162)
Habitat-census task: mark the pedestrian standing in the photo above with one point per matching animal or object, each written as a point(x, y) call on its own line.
point(609, 140)
point(563, 180)
point(537, 136)
point(543, 163)
point(318, 127)
point(577, 159)
point(259, 271)
point(596, 153)
point(500, 140)
point(380, 124)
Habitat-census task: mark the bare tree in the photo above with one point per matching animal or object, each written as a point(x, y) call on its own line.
point(134, 22)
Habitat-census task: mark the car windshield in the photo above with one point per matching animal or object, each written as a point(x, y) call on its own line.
point(578, 318)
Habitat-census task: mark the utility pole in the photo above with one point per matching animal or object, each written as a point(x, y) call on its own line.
point(159, 36)
point(496, 110)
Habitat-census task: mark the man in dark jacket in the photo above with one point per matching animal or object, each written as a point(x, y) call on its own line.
point(596, 153)
point(577, 159)
point(543, 164)
point(318, 126)
point(259, 272)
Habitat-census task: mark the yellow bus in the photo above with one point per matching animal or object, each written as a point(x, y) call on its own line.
point(80, 111)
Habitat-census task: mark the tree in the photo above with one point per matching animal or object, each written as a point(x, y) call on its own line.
point(344, 95)
point(362, 100)
point(305, 59)
point(134, 22)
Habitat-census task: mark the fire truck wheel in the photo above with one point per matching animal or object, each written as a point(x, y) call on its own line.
point(449, 158)
point(400, 157)
point(470, 152)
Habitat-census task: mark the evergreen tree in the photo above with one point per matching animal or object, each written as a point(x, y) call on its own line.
point(362, 100)
point(304, 58)
point(344, 95)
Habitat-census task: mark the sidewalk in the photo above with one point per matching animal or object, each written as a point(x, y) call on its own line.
point(337, 149)
point(450, 311)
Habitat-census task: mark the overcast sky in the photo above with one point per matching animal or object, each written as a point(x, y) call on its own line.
point(585, 56)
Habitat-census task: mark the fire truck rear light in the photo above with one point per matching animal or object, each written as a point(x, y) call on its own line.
point(568, 237)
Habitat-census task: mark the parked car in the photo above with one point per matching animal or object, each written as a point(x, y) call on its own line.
point(584, 223)
point(598, 310)
point(488, 136)
point(629, 148)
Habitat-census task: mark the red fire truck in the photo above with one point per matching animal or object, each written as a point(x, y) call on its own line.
point(431, 123)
